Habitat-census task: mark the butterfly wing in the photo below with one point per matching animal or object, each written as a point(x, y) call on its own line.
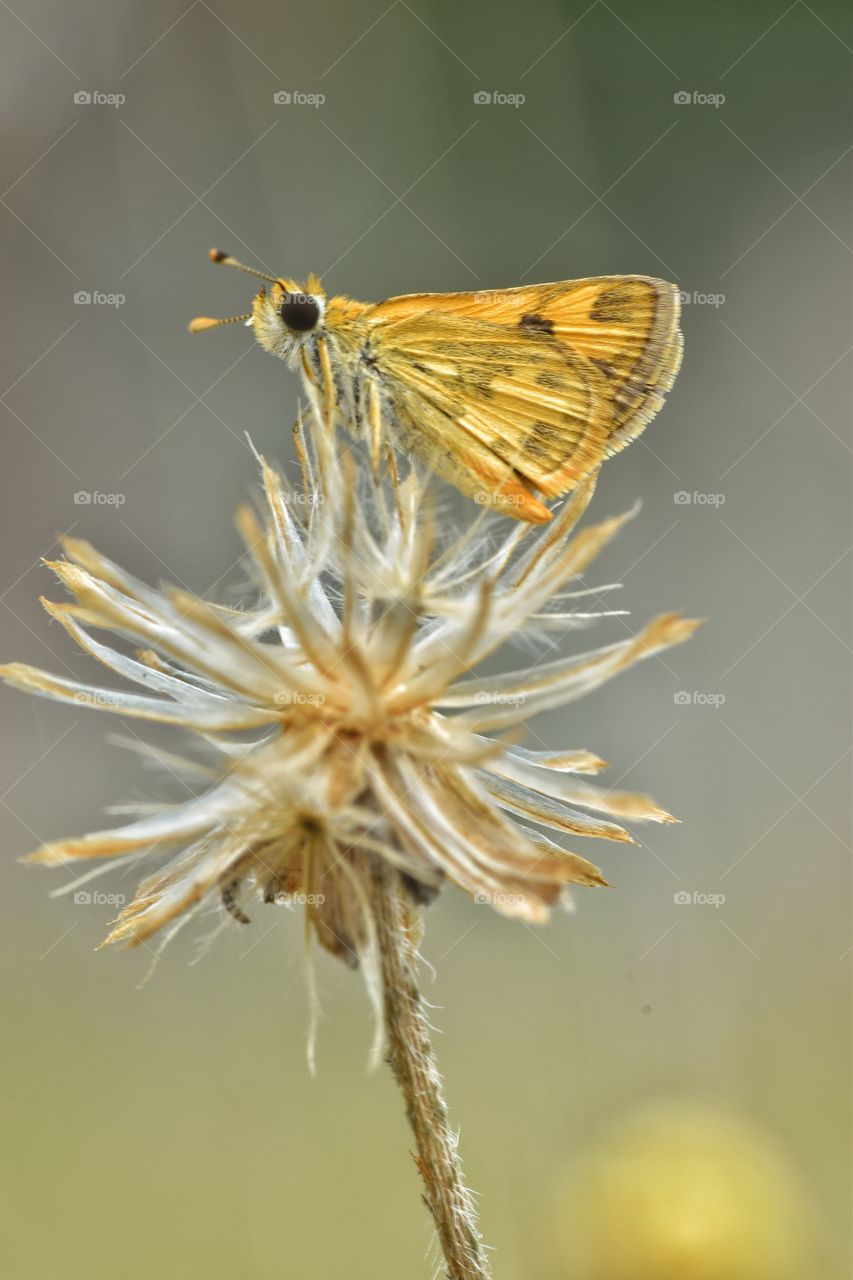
point(513, 409)
point(626, 326)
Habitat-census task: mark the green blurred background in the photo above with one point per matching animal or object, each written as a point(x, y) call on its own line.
point(175, 1130)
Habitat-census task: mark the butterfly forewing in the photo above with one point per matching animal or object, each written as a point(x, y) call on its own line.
point(626, 326)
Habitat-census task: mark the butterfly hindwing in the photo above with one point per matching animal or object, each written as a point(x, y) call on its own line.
point(524, 398)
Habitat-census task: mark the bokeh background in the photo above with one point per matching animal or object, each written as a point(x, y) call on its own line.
point(175, 1130)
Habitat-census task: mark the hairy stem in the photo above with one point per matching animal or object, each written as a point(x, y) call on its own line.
point(411, 1057)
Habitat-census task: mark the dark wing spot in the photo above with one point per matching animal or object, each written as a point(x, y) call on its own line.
point(618, 304)
point(545, 443)
point(539, 323)
point(605, 366)
point(549, 380)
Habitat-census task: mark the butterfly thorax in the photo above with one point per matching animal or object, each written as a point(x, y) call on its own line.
point(341, 362)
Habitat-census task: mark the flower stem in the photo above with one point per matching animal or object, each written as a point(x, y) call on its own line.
point(411, 1058)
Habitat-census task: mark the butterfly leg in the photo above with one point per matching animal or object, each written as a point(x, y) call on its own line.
point(327, 387)
point(374, 427)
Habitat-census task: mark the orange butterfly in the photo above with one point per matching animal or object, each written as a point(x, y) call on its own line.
point(501, 392)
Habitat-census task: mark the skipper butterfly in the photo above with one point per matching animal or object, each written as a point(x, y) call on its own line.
point(506, 393)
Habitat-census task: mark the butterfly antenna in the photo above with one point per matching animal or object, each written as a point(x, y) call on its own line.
point(201, 323)
point(217, 255)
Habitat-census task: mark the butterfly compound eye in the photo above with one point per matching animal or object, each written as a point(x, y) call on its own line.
point(299, 311)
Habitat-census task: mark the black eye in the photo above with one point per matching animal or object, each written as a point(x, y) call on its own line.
point(299, 311)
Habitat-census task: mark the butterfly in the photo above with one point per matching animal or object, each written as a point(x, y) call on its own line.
point(512, 395)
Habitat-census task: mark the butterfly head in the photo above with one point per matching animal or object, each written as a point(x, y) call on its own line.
point(283, 316)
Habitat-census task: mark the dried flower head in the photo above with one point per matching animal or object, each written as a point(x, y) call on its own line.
point(341, 712)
